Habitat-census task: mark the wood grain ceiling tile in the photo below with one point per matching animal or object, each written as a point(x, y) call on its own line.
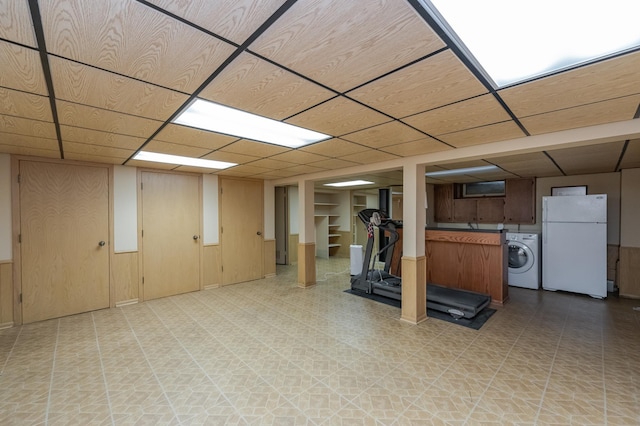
point(527, 165)
point(277, 174)
point(176, 149)
point(421, 146)
point(337, 117)
point(244, 170)
point(453, 165)
point(334, 148)
point(27, 150)
point(299, 157)
point(619, 109)
point(234, 20)
point(95, 137)
point(485, 134)
point(117, 154)
point(21, 69)
point(15, 22)
point(608, 79)
point(256, 149)
point(467, 114)
point(385, 134)
point(304, 169)
point(333, 163)
point(25, 105)
point(600, 158)
point(93, 87)
point(195, 137)
point(343, 44)
point(23, 126)
point(103, 120)
point(34, 142)
point(369, 156)
point(231, 157)
point(271, 164)
point(253, 85)
point(130, 38)
point(631, 157)
point(433, 82)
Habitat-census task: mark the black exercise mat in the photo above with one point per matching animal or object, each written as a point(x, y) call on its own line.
point(475, 322)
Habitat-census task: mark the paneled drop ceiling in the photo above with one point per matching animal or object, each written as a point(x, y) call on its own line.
point(101, 80)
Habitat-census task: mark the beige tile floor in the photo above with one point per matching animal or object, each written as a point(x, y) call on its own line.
point(267, 352)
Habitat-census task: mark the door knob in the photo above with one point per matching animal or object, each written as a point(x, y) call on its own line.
point(195, 237)
point(258, 233)
point(101, 243)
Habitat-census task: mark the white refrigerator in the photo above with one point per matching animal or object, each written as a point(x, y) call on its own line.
point(574, 244)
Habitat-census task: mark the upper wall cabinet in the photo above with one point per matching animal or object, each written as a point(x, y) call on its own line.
point(443, 202)
point(520, 201)
point(516, 206)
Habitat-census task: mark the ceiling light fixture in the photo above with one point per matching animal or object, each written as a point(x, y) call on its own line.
point(463, 171)
point(182, 161)
point(511, 42)
point(350, 183)
point(230, 121)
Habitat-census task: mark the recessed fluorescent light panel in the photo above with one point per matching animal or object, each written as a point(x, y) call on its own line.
point(182, 161)
point(350, 183)
point(514, 41)
point(463, 171)
point(230, 121)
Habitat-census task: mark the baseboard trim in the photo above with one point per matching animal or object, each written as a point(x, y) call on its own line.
point(211, 286)
point(126, 302)
point(5, 325)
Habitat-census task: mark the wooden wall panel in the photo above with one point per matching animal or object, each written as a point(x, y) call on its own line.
point(6, 295)
point(124, 278)
point(211, 266)
point(269, 258)
point(306, 265)
point(613, 254)
point(629, 282)
point(293, 249)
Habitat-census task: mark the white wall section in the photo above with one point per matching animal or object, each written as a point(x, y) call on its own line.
point(125, 209)
point(5, 208)
point(210, 187)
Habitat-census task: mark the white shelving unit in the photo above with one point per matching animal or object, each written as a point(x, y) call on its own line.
point(329, 222)
point(360, 201)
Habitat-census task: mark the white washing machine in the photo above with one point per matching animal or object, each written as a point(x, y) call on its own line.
point(524, 260)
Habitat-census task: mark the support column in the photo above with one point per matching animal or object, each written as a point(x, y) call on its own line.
point(414, 261)
point(307, 235)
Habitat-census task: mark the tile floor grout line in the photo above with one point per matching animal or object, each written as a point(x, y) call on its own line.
point(104, 376)
point(247, 365)
point(553, 360)
point(146, 358)
point(53, 370)
point(191, 355)
point(15, 343)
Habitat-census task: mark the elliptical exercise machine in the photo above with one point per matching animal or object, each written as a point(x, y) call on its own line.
point(458, 303)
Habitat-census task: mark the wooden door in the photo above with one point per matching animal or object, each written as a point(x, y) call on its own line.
point(64, 227)
point(241, 223)
point(170, 234)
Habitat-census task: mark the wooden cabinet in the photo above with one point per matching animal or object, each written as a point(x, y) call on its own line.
point(465, 210)
point(443, 203)
point(490, 210)
point(519, 204)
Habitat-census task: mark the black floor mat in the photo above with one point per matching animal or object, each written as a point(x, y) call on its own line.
point(475, 322)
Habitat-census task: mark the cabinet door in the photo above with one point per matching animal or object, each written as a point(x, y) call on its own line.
point(519, 206)
point(465, 210)
point(491, 210)
point(443, 203)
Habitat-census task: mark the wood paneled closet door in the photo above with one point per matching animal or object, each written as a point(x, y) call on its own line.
point(64, 227)
point(241, 227)
point(170, 234)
